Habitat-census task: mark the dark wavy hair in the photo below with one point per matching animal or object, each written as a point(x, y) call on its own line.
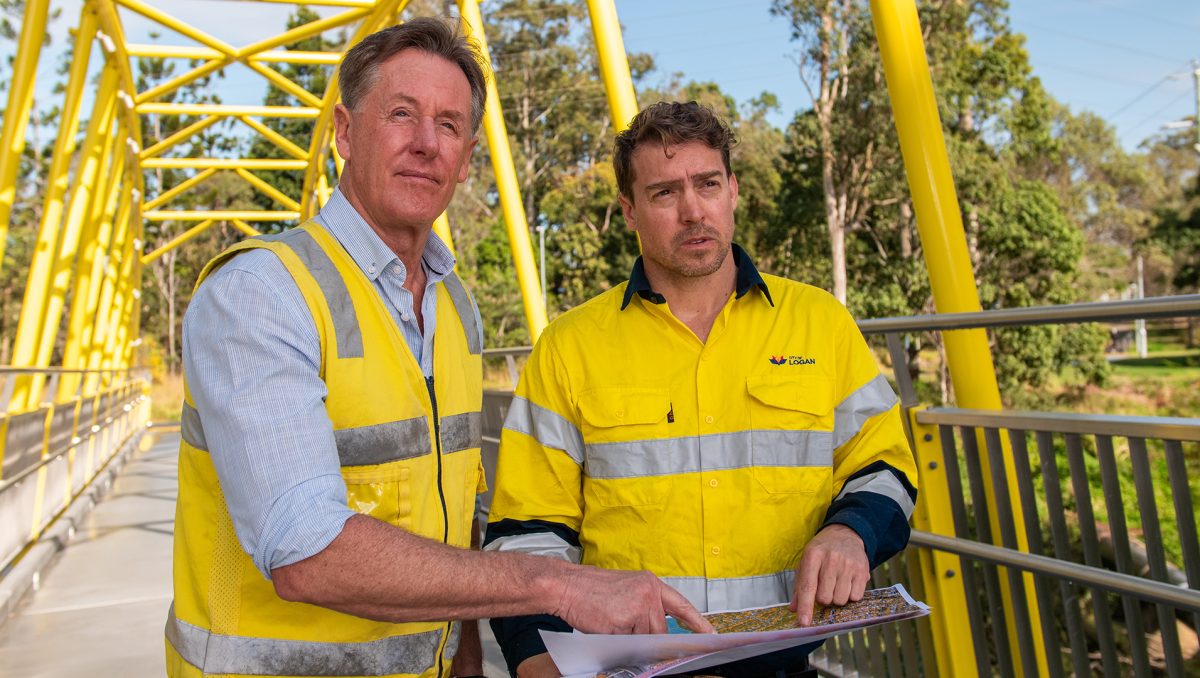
point(669, 124)
point(359, 71)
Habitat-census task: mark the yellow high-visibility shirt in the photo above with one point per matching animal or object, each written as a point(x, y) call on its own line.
point(631, 444)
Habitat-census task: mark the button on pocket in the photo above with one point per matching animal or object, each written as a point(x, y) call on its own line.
point(626, 449)
point(792, 433)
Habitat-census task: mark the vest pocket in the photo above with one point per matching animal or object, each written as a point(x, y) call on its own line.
point(791, 433)
point(382, 494)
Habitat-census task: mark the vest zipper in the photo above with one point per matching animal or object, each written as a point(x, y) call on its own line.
point(437, 441)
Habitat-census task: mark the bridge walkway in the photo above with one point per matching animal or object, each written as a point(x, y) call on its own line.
point(100, 609)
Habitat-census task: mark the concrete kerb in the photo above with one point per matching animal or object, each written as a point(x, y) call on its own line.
point(25, 575)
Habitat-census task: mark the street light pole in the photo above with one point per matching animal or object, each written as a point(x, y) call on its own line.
point(542, 264)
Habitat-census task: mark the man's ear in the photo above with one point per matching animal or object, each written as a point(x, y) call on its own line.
point(733, 187)
point(341, 130)
point(627, 211)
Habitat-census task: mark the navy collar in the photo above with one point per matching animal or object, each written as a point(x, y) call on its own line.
point(748, 278)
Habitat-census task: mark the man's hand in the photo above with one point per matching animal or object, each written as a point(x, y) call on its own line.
point(538, 666)
point(834, 570)
point(594, 600)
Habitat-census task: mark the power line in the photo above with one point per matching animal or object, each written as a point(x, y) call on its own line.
point(1100, 43)
point(1160, 111)
point(1139, 97)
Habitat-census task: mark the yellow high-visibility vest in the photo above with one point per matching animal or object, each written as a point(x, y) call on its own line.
point(406, 459)
point(711, 464)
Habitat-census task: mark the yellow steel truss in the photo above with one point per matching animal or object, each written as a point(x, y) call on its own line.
point(89, 252)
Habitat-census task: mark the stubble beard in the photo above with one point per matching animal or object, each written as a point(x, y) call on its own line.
point(683, 266)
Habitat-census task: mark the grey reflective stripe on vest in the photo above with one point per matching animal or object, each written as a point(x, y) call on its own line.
point(881, 482)
point(452, 641)
point(337, 297)
point(872, 398)
point(537, 544)
point(190, 428)
point(215, 653)
point(381, 443)
point(466, 312)
point(735, 593)
point(716, 452)
point(549, 428)
point(461, 432)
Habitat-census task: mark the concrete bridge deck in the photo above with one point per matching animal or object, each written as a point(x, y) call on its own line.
point(100, 609)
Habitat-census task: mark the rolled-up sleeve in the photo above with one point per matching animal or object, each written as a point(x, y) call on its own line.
point(251, 355)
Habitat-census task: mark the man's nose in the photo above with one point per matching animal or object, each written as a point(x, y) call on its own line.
point(690, 211)
point(425, 140)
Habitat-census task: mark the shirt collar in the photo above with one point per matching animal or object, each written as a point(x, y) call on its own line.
point(748, 278)
point(368, 250)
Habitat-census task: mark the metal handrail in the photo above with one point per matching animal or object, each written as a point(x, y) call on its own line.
point(1146, 589)
point(9, 369)
point(1102, 311)
point(1167, 428)
point(8, 483)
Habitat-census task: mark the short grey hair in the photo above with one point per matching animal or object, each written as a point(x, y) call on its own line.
point(359, 71)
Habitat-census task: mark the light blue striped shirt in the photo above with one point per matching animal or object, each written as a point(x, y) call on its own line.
point(251, 354)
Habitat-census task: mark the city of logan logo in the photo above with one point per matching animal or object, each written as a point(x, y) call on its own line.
point(792, 360)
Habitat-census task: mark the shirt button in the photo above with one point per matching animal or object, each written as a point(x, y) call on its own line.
point(713, 483)
point(371, 268)
point(396, 270)
point(716, 550)
point(708, 419)
point(404, 317)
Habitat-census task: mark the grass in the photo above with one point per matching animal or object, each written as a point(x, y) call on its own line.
point(166, 398)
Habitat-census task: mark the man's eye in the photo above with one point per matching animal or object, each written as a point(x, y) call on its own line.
point(400, 114)
point(450, 126)
point(662, 193)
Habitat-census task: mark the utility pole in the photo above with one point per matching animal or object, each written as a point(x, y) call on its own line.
point(1196, 80)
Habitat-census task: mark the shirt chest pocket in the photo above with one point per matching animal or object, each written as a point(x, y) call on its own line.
point(791, 433)
point(628, 458)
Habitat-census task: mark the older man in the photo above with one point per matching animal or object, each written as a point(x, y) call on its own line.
point(331, 430)
point(728, 431)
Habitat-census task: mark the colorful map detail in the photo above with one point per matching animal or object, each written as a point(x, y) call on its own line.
point(876, 604)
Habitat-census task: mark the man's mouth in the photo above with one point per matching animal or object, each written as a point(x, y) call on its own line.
point(411, 174)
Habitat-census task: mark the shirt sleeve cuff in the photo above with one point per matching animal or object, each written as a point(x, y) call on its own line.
point(519, 639)
point(302, 522)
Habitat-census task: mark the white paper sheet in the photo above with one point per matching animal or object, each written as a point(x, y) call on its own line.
point(582, 654)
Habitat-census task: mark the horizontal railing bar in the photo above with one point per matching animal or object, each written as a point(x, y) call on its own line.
point(1168, 428)
point(8, 483)
point(1102, 311)
point(7, 369)
point(1124, 584)
point(501, 352)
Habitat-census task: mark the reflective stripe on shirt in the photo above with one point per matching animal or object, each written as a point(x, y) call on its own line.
point(715, 452)
point(735, 593)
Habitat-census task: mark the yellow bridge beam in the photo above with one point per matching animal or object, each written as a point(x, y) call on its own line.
point(939, 222)
point(507, 185)
point(20, 105)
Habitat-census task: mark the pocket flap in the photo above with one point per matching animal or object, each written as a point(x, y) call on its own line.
point(624, 406)
point(813, 395)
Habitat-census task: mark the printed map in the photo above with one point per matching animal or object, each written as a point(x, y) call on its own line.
point(876, 604)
